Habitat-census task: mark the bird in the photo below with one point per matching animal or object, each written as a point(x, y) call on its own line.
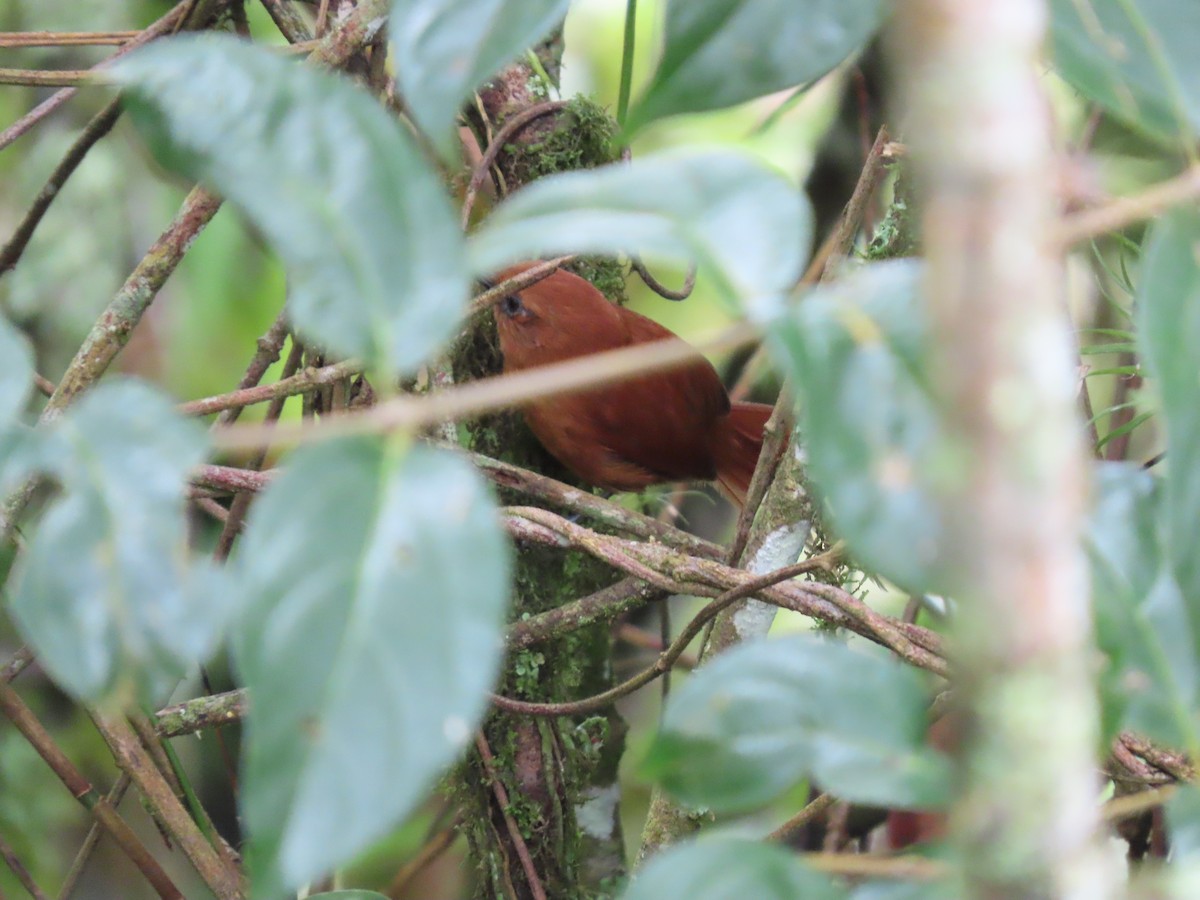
point(673, 425)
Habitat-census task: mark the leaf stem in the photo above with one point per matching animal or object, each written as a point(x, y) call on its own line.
point(627, 61)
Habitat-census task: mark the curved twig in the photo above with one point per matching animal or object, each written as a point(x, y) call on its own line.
point(661, 289)
point(511, 127)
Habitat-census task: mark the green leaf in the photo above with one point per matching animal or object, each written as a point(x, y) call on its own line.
point(1136, 58)
point(374, 586)
point(857, 352)
point(719, 53)
point(1183, 823)
point(758, 719)
point(359, 218)
point(745, 222)
point(1169, 327)
point(443, 50)
point(1142, 622)
point(16, 373)
point(720, 868)
point(105, 592)
point(348, 895)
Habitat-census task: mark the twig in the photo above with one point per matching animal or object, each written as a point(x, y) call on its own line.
point(519, 282)
point(912, 868)
point(166, 25)
point(100, 125)
point(1124, 211)
point(27, 724)
point(267, 351)
point(442, 841)
point(665, 661)
point(1129, 805)
point(496, 145)
point(221, 878)
point(793, 826)
point(11, 39)
point(15, 666)
point(203, 712)
point(489, 768)
point(289, 22)
point(19, 871)
point(852, 216)
point(49, 77)
point(689, 281)
point(486, 394)
point(115, 795)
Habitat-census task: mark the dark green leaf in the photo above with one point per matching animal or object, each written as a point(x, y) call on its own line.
point(745, 222)
point(750, 725)
point(374, 585)
point(104, 590)
point(1136, 58)
point(721, 868)
point(857, 350)
point(719, 53)
point(443, 49)
point(1141, 620)
point(16, 373)
point(330, 178)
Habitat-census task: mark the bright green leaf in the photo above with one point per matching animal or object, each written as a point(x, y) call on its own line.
point(857, 350)
point(721, 868)
point(1136, 58)
point(443, 49)
point(754, 722)
point(719, 53)
point(746, 223)
point(359, 218)
point(105, 591)
point(374, 587)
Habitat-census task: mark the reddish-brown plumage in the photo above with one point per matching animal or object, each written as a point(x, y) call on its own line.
point(676, 425)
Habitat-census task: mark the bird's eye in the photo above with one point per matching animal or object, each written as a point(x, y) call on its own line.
point(511, 305)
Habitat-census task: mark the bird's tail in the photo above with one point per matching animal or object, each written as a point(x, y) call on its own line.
point(738, 443)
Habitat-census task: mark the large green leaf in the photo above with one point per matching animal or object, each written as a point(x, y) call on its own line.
point(1142, 622)
point(443, 49)
point(857, 350)
point(758, 719)
point(722, 868)
point(104, 591)
point(374, 585)
point(16, 373)
point(745, 222)
point(722, 52)
point(1169, 329)
point(1136, 58)
point(359, 218)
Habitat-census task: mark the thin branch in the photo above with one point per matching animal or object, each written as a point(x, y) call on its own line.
point(666, 659)
point(100, 125)
point(203, 712)
point(529, 277)
point(289, 22)
point(19, 871)
point(689, 281)
point(861, 865)
point(12, 39)
point(218, 874)
point(50, 77)
point(503, 391)
point(266, 354)
point(497, 144)
point(438, 844)
point(852, 216)
point(15, 666)
point(166, 25)
point(35, 733)
point(1125, 211)
point(115, 795)
point(813, 810)
point(489, 768)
